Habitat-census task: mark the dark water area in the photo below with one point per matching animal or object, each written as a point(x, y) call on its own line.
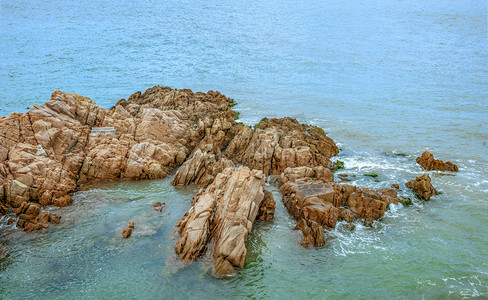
point(387, 80)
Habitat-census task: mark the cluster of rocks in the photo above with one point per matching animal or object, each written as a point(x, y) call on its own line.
point(47, 153)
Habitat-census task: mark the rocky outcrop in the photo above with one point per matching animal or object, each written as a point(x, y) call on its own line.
point(225, 212)
point(317, 203)
point(48, 152)
point(276, 144)
point(428, 162)
point(422, 186)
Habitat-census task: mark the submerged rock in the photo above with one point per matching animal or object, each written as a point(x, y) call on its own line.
point(428, 162)
point(158, 206)
point(225, 212)
point(422, 186)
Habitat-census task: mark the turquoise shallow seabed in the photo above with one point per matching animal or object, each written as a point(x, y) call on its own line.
point(385, 79)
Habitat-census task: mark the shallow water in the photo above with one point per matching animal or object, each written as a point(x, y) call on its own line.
point(386, 80)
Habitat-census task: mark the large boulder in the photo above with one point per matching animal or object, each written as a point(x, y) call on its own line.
point(225, 211)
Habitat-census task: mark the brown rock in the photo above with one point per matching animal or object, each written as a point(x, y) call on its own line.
point(54, 218)
point(224, 211)
point(41, 222)
point(48, 152)
point(428, 162)
point(276, 144)
point(3, 252)
point(267, 207)
point(313, 233)
point(422, 186)
point(315, 201)
point(158, 206)
point(126, 233)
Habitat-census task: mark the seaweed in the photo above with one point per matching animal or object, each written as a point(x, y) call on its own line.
point(406, 201)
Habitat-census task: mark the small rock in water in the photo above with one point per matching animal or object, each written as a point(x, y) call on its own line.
point(128, 231)
point(395, 186)
point(10, 221)
point(428, 162)
point(422, 186)
point(158, 206)
point(3, 252)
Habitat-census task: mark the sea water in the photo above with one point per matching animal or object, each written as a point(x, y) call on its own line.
point(387, 80)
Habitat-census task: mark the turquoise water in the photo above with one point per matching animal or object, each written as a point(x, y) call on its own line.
point(383, 78)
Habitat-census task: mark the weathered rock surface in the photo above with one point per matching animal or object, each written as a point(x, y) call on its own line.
point(48, 152)
point(276, 144)
point(225, 212)
point(428, 162)
point(317, 203)
point(422, 186)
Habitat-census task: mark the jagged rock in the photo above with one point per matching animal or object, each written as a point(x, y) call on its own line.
point(422, 186)
point(224, 211)
point(267, 208)
point(275, 144)
point(48, 152)
point(311, 196)
point(428, 162)
point(313, 233)
point(201, 168)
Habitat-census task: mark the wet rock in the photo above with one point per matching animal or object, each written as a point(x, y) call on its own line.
point(127, 232)
point(158, 206)
point(422, 186)
point(3, 252)
point(428, 162)
point(395, 186)
point(313, 233)
point(54, 219)
point(224, 211)
point(41, 222)
point(316, 200)
point(267, 207)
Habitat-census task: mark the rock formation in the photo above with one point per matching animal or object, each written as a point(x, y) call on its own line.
point(428, 162)
point(276, 144)
point(317, 203)
point(48, 152)
point(225, 212)
point(422, 186)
